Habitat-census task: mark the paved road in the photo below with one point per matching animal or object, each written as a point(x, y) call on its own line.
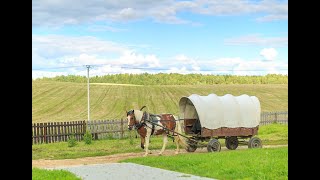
point(127, 171)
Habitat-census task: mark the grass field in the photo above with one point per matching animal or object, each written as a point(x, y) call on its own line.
point(43, 174)
point(65, 101)
point(269, 134)
point(247, 164)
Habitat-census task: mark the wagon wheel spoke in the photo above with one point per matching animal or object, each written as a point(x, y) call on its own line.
point(254, 142)
point(232, 142)
point(214, 145)
point(192, 145)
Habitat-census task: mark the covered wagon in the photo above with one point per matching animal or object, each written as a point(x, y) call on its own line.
point(212, 117)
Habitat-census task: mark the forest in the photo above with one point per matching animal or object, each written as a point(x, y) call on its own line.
point(173, 79)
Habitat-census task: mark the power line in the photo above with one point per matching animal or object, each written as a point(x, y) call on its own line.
point(160, 69)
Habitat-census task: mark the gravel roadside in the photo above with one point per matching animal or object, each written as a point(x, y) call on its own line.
point(127, 171)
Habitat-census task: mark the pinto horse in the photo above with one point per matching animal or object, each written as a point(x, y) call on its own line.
point(147, 124)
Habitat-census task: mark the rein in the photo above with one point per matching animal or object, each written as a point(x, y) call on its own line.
point(137, 125)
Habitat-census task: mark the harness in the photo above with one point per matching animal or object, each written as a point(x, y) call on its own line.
point(152, 119)
point(146, 118)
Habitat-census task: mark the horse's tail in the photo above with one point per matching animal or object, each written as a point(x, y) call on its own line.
point(178, 129)
point(142, 107)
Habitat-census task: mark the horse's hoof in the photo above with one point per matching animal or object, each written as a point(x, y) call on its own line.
point(160, 154)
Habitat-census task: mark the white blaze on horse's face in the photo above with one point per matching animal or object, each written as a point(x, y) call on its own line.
point(130, 118)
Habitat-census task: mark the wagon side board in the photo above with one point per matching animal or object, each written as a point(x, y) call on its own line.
point(224, 131)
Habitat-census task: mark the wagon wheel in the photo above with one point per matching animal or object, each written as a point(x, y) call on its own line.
point(192, 145)
point(254, 142)
point(232, 142)
point(214, 145)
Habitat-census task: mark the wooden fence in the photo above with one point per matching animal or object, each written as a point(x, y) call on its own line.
point(60, 131)
point(57, 131)
point(108, 128)
point(280, 117)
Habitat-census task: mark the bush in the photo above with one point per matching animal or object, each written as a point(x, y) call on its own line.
point(87, 137)
point(72, 141)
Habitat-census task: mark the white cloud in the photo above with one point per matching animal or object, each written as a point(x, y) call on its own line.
point(52, 53)
point(273, 17)
point(59, 13)
point(54, 46)
point(228, 65)
point(135, 59)
point(257, 39)
point(61, 55)
point(40, 74)
point(58, 50)
point(239, 66)
point(181, 70)
point(182, 58)
point(269, 54)
point(189, 62)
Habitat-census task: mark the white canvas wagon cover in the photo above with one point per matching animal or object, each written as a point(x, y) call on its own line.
point(221, 111)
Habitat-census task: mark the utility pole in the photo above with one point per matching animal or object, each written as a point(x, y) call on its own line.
point(88, 67)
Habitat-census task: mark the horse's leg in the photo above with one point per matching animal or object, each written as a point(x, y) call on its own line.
point(147, 142)
point(142, 141)
point(165, 141)
point(177, 140)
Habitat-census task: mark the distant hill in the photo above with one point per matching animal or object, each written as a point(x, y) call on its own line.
point(66, 101)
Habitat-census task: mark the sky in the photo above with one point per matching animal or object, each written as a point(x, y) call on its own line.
point(237, 37)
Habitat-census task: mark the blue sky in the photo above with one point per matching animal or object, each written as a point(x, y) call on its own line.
point(196, 36)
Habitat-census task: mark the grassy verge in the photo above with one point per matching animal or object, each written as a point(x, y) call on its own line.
point(271, 163)
point(273, 134)
point(270, 135)
point(43, 174)
point(97, 148)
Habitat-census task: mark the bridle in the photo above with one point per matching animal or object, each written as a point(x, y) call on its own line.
point(136, 125)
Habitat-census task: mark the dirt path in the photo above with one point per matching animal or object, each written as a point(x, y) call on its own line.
point(41, 163)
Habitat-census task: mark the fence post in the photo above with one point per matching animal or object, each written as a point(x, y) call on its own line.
point(84, 126)
point(275, 117)
point(121, 128)
point(32, 133)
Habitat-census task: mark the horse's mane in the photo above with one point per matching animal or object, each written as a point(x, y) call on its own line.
point(138, 114)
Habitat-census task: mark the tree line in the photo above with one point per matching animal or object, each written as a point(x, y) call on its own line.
point(173, 79)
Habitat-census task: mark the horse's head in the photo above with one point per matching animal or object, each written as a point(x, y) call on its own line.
point(131, 119)
point(134, 117)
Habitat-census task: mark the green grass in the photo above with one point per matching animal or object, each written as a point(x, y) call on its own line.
point(269, 134)
point(271, 163)
point(97, 148)
point(273, 134)
point(43, 174)
point(66, 101)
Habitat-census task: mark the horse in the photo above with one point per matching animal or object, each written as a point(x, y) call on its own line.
point(147, 124)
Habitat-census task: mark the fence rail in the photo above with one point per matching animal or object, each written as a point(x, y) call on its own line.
point(108, 128)
point(57, 131)
point(60, 131)
point(280, 117)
